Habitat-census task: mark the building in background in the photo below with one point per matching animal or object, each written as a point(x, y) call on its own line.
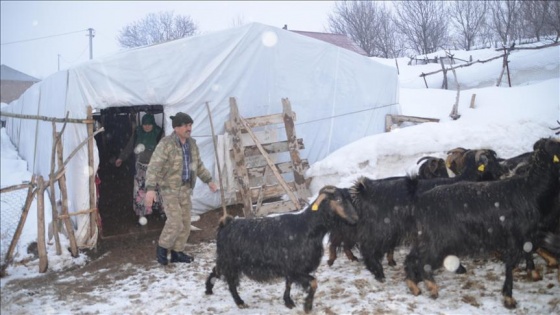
point(339, 40)
point(13, 83)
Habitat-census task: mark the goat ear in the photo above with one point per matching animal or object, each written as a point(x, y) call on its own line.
point(315, 205)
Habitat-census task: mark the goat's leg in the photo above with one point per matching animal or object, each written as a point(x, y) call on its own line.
point(347, 246)
point(507, 290)
point(372, 259)
point(411, 268)
point(532, 273)
point(232, 282)
point(332, 251)
point(310, 283)
point(287, 299)
point(551, 261)
point(430, 283)
point(391, 257)
point(210, 281)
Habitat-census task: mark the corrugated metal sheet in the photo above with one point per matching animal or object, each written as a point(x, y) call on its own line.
point(9, 74)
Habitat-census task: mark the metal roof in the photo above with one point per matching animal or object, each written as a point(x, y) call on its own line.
point(10, 74)
point(339, 40)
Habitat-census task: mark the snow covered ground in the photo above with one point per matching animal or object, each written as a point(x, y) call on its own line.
point(507, 120)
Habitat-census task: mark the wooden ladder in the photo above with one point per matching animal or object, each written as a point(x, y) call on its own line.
point(259, 177)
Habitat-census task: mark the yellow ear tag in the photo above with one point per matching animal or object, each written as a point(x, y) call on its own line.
point(448, 165)
point(314, 207)
point(481, 168)
point(555, 159)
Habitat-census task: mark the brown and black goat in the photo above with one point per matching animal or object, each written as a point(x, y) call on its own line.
point(288, 246)
point(468, 218)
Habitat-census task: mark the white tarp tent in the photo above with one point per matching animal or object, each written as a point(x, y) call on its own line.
point(338, 96)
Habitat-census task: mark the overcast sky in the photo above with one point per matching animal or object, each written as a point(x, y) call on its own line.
point(35, 33)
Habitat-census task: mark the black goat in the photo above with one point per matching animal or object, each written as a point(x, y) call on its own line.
point(287, 246)
point(469, 218)
point(383, 204)
point(432, 168)
point(517, 165)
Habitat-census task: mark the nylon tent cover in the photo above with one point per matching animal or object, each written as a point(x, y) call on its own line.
point(338, 96)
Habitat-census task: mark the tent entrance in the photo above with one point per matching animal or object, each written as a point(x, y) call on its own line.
point(117, 183)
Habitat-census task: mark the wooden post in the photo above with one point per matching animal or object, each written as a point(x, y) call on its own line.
point(92, 195)
point(425, 82)
point(397, 63)
point(239, 158)
point(53, 195)
point(31, 191)
point(222, 197)
point(41, 244)
point(455, 111)
point(64, 210)
point(444, 85)
point(504, 62)
point(297, 166)
point(507, 69)
point(473, 97)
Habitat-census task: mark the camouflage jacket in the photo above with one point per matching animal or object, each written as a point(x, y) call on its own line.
point(166, 165)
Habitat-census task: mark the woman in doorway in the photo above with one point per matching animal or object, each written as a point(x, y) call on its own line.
point(143, 143)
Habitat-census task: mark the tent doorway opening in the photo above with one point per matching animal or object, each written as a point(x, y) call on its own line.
point(116, 184)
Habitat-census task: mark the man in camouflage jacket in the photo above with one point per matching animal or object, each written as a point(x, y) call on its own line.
point(176, 182)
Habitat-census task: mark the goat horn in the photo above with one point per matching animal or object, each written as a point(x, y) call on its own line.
point(318, 201)
point(477, 155)
point(423, 158)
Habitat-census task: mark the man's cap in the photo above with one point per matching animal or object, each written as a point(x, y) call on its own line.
point(181, 119)
point(148, 119)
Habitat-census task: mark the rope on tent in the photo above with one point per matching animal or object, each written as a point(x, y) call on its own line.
point(222, 197)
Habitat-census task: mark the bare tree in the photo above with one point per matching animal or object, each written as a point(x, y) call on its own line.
point(553, 18)
point(239, 20)
point(423, 23)
point(535, 16)
point(357, 19)
point(469, 18)
point(505, 15)
point(156, 28)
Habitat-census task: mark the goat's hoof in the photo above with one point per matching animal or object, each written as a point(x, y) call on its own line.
point(380, 279)
point(534, 275)
point(307, 308)
point(209, 292)
point(330, 262)
point(510, 302)
point(392, 263)
point(413, 287)
point(289, 304)
point(242, 305)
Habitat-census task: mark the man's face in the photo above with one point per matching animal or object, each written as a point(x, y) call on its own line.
point(183, 131)
point(148, 127)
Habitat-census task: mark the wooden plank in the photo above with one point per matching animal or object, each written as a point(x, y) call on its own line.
point(270, 191)
point(64, 197)
point(276, 207)
point(239, 160)
point(414, 119)
point(297, 164)
point(283, 167)
point(41, 242)
point(92, 195)
point(271, 148)
point(271, 164)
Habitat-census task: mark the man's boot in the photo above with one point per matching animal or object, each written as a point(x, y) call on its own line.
point(180, 257)
point(161, 255)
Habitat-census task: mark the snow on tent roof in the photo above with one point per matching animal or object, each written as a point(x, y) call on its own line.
point(337, 95)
